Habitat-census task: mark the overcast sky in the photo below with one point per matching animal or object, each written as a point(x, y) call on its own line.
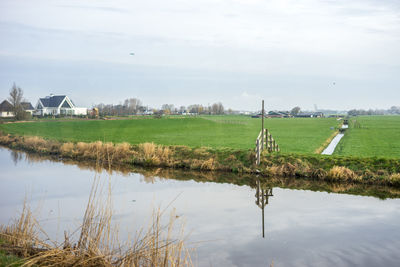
point(337, 54)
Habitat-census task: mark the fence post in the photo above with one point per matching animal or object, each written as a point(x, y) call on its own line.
point(262, 126)
point(270, 143)
point(258, 152)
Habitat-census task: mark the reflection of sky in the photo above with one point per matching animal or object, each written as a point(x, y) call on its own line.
point(303, 228)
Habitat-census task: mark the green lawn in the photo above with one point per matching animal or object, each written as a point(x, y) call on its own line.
point(371, 136)
point(293, 135)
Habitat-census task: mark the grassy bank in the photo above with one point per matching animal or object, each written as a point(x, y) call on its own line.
point(303, 135)
point(383, 171)
point(371, 136)
point(151, 174)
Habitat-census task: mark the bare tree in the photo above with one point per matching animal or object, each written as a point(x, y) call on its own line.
point(132, 105)
point(167, 108)
point(217, 108)
point(295, 111)
point(15, 98)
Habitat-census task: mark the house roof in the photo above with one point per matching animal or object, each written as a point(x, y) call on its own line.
point(6, 106)
point(52, 101)
point(27, 106)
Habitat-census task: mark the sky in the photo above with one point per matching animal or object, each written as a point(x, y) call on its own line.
point(336, 54)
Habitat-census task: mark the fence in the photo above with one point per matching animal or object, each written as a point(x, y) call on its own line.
point(265, 141)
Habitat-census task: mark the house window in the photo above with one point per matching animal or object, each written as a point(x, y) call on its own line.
point(65, 105)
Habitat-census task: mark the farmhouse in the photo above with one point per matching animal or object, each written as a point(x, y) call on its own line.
point(27, 106)
point(57, 105)
point(310, 115)
point(6, 109)
point(278, 114)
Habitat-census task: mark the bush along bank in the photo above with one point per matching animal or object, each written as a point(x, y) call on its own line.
point(382, 171)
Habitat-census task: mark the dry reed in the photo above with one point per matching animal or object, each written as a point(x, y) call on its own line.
point(98, 244)
point(395, 179)
point(339, 173)
point(208, 164)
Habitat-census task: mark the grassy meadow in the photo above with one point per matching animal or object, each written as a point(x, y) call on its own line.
point(370, 136)
point(299, 135)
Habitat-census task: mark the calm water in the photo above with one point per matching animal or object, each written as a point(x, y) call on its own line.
point(302, 228)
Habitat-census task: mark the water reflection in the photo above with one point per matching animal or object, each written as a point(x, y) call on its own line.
point(16, 156)
point(262, 196)
point(152, 175)
point(300, 227)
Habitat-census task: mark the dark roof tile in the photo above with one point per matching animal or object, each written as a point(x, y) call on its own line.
point(27, 105)
point(52, 101)
point(6, 106)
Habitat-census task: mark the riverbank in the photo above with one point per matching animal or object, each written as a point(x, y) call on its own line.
point(96, 241)
point(380, 171)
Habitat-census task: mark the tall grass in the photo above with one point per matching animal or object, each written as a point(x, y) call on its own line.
point(98, 242)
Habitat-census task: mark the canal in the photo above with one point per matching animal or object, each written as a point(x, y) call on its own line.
point(223, 221)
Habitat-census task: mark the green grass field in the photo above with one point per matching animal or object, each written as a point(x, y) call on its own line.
point(370, 136)
point(302, 135)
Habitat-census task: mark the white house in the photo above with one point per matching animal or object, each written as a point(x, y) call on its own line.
point(58, 105)
point(27, 106)
point(6, 109)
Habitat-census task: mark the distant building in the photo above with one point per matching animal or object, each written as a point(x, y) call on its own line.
point(278, 114)
point(310, 115)
point(27, 106)
point(58, 105)
point(6, 109)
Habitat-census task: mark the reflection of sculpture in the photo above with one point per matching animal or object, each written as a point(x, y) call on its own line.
point(262, 196)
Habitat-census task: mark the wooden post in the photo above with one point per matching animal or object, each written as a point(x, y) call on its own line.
point(262, 126)
point(258, 152)
point(266, 138)
point(270, 142)
point(263, 228)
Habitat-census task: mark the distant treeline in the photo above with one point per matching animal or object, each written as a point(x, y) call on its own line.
point(134, 106)
point(394, 110)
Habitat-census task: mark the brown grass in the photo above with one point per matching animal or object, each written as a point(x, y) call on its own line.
point(98, 244)
point(208, 164)
point(339, 173)
point(67, 149)
point(148, 150)
point(395, 179)
point(35, 142)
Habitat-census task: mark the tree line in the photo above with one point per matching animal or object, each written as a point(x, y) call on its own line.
point(134, 106)
point(394, 110)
